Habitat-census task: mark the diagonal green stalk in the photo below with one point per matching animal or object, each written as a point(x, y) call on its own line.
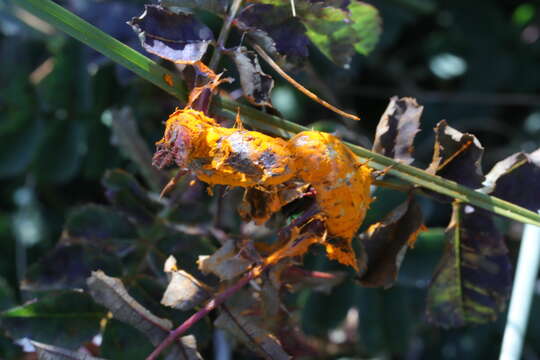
point(149, 70)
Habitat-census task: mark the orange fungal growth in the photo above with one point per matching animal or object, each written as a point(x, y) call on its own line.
point(342, 186)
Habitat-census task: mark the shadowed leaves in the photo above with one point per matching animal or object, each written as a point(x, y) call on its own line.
point(385, 243)
point(250, 331)
point(472, 282)
point(457, 156)
point(275, 30)
point(175, 37)
point(256, 85)
point(50, 352)
point(397, 128)
point(66, 319)
point(517, 179)
point(186, 6)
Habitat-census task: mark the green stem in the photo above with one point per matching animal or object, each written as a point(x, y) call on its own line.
point(224, 34)
point(149, 70)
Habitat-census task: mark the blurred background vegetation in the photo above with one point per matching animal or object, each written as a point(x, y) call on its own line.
point(475, 64)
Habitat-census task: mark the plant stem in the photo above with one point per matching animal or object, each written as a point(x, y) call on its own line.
point(224, 34)
point(211, 305)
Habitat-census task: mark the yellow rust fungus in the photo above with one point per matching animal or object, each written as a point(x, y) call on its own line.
point(252, 160)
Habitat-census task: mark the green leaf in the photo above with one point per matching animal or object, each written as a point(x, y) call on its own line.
point(473, 279)
point(66, 319)
point(123, 341)
point(339, 32)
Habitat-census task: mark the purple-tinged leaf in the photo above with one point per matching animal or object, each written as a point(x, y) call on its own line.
point(186, 6)
point(68, 319)
point(226, 263)
point(397, 128)
point(457, 156)
point(50, 352)
point(384, 244)
point(275, 30)
point(174, 37)
point(128, 196)
point(67, 267)
point(256, 85)
point(184, 291)
point(250, 330)
point(473, 279)
point(517, 179)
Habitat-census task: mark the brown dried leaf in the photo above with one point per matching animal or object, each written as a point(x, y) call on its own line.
point(397, 128)
point(111, 293)
point(385, 243)
point(50, 352)
point(226, 263)
point(184, 292)
point(250, 331)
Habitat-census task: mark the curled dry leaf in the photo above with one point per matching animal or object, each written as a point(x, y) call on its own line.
point(385, 243)
point(397, 128)
point(111, 293)
point(184, 292)
point(457, 156)
point(50, 352)
point(226, 263)
point(249, 329)
point(256, 85)
point(473, 279)
point(517, 179)
point(174, 37)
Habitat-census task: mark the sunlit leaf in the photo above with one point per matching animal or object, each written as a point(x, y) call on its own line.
point(457, 156)
point(50, 352)
point(66, 319)
point(517, 179)
point(385, 243)
point(184, 291)
point(397, 128)
point(256, 85)
point(175, 37)
point(472, 282)
point(226, 263)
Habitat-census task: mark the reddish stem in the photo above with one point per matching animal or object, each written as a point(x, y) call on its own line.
point(211, 305)
point(312, 274)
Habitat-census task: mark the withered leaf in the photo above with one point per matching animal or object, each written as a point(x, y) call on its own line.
point(111, 293)
point(50, 352)
point(250, 331)
point(177, 6)
point(517, 179)
point(184, 291)
point(174, 37)
point(473, 279)
point(256, 85)
point(397, 128)
point(384, 244)
point(226, 263)
point(275, 30)
point(457, 156)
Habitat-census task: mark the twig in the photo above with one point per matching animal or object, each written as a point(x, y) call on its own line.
point(211, 305)
point(299, 86)
point(224, 34)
